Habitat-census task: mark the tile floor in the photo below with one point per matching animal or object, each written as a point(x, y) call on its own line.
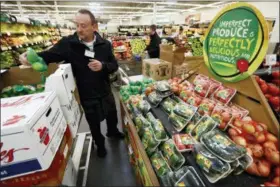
point(115, 169)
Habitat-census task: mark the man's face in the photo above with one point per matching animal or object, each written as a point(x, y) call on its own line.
point(84, 26)
point(151, 32)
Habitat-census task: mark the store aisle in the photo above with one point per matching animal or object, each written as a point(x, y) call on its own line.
point(115, 169)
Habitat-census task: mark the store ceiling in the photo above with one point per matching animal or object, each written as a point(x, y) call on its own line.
point(104, 10)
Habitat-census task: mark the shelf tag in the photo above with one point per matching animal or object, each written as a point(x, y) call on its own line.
point(125, 120)
point(270, 60)
point(130, 149)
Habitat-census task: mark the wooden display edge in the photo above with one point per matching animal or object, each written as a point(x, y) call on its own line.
point(139, 145)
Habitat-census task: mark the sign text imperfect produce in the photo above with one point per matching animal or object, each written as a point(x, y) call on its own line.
point(236, 42)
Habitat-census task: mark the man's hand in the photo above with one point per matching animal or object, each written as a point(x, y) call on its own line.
point(23, 59)
point(95, 65)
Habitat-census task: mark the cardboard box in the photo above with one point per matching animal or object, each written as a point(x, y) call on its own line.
point(176, 57)
point(179, 70)
point(70, 174)
point(72, 114)
point(32, 128)
point(62, 81)
point(156, 69)
point(193, 62)
point(16, 75)
point(52, 176)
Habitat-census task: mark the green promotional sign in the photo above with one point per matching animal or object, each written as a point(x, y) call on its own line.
point(236, 42)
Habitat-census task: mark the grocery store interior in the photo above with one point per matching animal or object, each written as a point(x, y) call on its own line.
point(194, 87)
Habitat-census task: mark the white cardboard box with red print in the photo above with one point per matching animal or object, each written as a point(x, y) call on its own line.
point(32, 128)
point(62, 82)
point(72, 114)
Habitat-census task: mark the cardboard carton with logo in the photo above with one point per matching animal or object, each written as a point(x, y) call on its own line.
point(179, 70)
point(72, 114)
point(156, 69)
point(53, 176)
point(62, 81)
point(32, 127)
point(169, 54)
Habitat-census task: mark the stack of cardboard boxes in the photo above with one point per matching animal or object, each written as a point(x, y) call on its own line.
point(172, 63)
point(181, 64)
point(37, 130)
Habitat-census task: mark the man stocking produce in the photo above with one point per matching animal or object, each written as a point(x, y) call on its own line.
point(92, 61)
point(153, 48)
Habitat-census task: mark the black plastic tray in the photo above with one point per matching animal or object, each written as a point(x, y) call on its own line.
point(243, 179)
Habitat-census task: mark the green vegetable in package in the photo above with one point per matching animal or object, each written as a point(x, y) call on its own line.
point(178, 121)
point(204, 125)
point(191, 125)
point(184, 110)
point(158, 128)
point(160, 165)
point(37, 62)
point(162, 86)
point(154, 98)
point(144, 106)
point(148, 139)
point(174, 158)
point(141, 123)
point(222, 146)
point(209, 163)
point(169, 179)
point(168, 104)
point(17, 90)
point(187, 176)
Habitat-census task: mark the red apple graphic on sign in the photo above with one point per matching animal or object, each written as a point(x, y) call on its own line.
point(242, 65)
point(44, 135)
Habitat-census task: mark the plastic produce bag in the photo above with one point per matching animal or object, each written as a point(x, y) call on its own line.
point(212, 167)
point(168, 105)
point(244, 163)
point(183, 142)
point(144, 106)
point(159, 131)
point(184, 110)
point(187, 176)
point(159, 164)
point(141, 123)
point(154, 98)
point(148, 139)
point(162, 86)
point(174, 158)
point(206, 107)
point(224, 94)
point(168, 179)
point(222, 115)
point(222, 146)
point(204, 125)
point(191, 125)
point(178, 121)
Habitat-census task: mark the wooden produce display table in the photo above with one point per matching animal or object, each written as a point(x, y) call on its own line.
point(144, 171)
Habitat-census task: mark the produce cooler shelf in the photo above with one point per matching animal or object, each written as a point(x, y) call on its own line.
point(243, 179)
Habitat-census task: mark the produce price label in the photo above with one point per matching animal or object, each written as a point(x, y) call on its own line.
point(236, 42)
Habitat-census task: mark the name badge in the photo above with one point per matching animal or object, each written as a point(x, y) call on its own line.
point(89, 54)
